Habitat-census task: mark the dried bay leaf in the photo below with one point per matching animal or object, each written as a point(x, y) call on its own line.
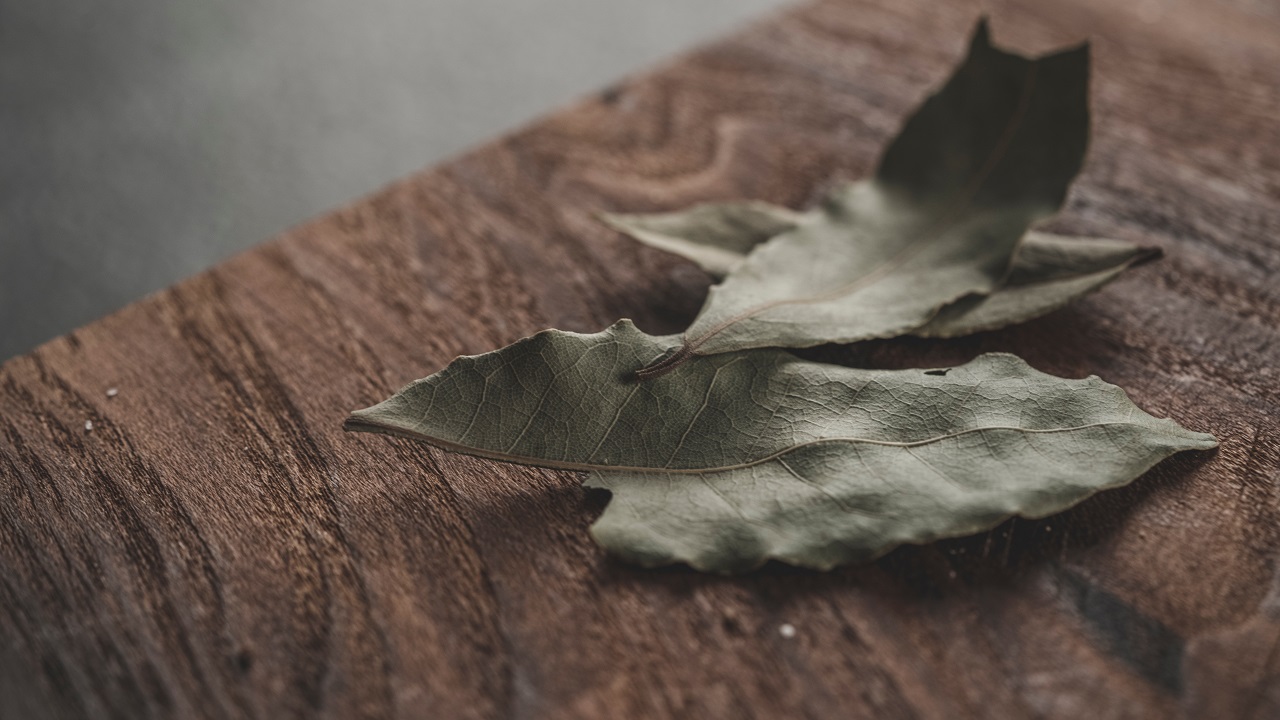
point(753, 455)
point(716, 236)
point(988, 155)
point(1048, 271)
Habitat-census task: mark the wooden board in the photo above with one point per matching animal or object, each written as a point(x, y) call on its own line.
point(216, 546)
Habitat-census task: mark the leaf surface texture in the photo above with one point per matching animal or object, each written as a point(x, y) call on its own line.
point(753, 455)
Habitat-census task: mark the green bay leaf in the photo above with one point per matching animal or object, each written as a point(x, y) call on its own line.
point(989, 154)
point(1048, 271)
point(747, 456)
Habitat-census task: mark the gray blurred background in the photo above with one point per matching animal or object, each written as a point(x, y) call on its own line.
point(144, 140)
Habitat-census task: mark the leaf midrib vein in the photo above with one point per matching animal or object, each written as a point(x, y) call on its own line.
point(586, 466)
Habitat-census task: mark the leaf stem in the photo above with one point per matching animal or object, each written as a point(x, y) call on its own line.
point(665, 364)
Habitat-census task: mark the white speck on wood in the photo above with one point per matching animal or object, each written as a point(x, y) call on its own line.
point(88, 425)
point(787, 630)
point(112, 392)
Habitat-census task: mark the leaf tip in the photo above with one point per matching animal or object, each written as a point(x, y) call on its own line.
point(1145, 254)
point(616, 221)
point(1202, 441)
point(359, 420)
point(981, 34)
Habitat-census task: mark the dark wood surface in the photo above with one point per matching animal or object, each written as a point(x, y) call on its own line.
point(216, 546)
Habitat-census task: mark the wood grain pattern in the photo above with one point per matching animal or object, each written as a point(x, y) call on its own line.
point(216, 546)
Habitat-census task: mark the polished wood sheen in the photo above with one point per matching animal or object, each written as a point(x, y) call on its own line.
point(216, 546)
